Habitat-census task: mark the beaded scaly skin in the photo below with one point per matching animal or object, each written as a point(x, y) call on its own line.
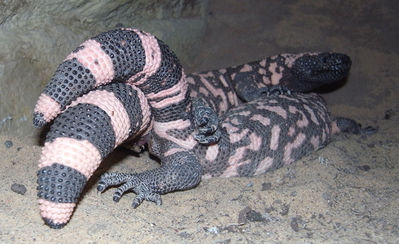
point(239, 121)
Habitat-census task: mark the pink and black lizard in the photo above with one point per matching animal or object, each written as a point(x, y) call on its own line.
point(238, 121)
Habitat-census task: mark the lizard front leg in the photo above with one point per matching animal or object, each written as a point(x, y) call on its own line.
point(247, 90)
point(179, 171)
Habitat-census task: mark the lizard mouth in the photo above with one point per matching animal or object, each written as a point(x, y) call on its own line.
point(323, 68)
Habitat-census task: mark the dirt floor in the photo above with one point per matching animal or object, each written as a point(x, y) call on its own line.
point(347, 192)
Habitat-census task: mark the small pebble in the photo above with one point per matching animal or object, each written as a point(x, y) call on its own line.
point(8, 144)
point(18, 188)
point(254, 216)
point(184, 235)
point(284, 210)
point(364, 167)
point(213, 230)
point(326, 196)
point(388, 114)
point(247, 214)
point(295, 223)
point(242, 215)
point(266, 186)
point(323, 160)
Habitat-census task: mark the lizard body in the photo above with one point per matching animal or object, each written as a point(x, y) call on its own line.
point(126, 83)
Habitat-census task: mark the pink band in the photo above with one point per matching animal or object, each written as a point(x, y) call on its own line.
point(48, 107)
point(152, 56)
point(58, 213)
point(92, 57)
point(78, 154)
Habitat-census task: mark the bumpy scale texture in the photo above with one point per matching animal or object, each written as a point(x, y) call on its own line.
point(243, 129)
point(114, 55)
point(78, 141)
point(265, 134)
point(226, 88)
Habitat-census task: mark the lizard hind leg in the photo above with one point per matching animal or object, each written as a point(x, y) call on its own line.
point(346, 125)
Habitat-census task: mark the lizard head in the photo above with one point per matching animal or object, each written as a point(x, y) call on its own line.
point(316, 70)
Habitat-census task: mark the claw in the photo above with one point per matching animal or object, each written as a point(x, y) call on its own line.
point(203, 117)
point(207, 130)
point(369, 130)
point(137, 201)
point(207, 140)
point(274, 90)
point(116, 197)
point(129, 182)
point(151, 196)
point(101, 187)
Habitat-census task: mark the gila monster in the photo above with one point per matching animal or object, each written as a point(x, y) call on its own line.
point(125, 83)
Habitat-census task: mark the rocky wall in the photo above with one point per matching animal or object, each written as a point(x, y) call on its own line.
point(35, 36)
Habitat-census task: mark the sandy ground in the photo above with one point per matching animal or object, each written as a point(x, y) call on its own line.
point(347, 192)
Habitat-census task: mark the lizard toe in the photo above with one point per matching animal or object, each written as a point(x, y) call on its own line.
point(111, 179)
point(149, 196)
point(274, 90)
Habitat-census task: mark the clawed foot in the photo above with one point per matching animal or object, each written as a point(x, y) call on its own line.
point(247, 91)
point(207, 123)
point(351, 126)
point(130, 182)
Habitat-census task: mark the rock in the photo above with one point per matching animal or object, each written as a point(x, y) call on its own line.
point(18, 188)
point(8, 144)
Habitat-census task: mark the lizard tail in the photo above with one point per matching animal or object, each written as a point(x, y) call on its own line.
point(117, 55)
point(89, 127)
point(80, 138)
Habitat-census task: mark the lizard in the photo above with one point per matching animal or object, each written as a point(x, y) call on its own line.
point(127, 83)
